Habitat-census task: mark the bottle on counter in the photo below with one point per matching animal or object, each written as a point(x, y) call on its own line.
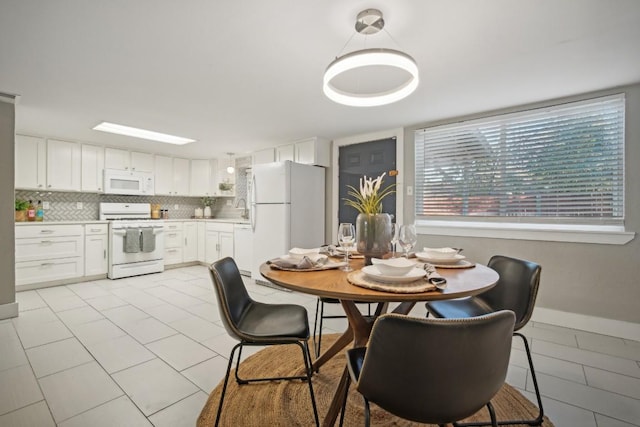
point(31, 211)
point(39, 212)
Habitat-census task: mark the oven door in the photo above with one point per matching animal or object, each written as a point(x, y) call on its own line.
point(118, 243)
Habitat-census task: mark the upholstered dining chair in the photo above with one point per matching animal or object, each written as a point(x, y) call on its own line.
point(516, 290)
point(435, 371)
point(254, 323)
point(320, 316)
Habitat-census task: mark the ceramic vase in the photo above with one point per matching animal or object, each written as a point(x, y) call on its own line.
point(207, 211)
point(373, 235)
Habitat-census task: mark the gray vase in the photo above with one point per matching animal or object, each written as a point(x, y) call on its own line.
point(373, 235)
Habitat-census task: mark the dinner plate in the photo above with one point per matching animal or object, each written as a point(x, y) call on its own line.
point(422, 256)
point(372, 272)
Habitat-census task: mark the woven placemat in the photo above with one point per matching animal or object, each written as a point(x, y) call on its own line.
point(358, 278)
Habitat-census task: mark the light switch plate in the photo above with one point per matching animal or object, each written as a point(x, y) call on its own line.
point(176, 207)
point(45, 205)
point(409, 190)
point(78, 205)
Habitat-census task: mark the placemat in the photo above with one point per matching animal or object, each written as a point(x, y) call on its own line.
point(358, 278)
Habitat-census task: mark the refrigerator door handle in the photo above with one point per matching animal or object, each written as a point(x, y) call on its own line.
point(252, 214)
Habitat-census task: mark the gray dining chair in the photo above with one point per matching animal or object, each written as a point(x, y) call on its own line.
point(254, 323)
point(516, 290)
point(435, 371)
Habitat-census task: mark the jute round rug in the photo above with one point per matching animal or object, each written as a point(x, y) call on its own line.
point(287, 403)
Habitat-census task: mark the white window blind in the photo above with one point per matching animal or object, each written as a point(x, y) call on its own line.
point(560, 164)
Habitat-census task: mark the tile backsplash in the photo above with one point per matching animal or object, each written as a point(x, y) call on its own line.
point(64, 206)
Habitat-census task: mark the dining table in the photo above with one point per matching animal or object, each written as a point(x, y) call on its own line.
point(334, 283)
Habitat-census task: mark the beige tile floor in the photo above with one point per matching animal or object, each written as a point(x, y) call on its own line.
point(147, 351)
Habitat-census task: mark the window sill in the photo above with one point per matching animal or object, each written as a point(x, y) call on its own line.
point(608, 235)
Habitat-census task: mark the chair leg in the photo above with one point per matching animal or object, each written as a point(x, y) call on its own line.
point(226, 381)
point(492, 414)
point(532, 422)
point(240, 380)
point(367, 413)
point(317, 349)
point(315, 327)
point(306, 355)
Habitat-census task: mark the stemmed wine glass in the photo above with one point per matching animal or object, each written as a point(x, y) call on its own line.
point(394, 238)
point(346, 239)
point(407, 238)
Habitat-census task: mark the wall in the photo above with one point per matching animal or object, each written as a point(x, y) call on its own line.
point(8, 306)
point(588, 279)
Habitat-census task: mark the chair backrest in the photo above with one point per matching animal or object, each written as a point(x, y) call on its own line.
point(436, 370)
point(233, 298)
point(516, 289)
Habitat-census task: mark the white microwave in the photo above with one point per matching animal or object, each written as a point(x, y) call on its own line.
point(128, 182)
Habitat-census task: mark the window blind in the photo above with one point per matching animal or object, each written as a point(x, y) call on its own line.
point(563, 163)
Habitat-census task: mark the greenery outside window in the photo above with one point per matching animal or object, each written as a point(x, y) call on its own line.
point(554, 168)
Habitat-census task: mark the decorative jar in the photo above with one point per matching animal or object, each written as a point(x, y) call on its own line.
point(373, 235)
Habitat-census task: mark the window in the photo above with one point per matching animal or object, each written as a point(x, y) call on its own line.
point(557, 165)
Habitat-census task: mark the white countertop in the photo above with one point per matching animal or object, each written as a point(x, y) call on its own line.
point(97, 221)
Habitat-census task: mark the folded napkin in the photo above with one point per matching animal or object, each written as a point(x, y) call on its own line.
point(433, 277)
point(305, 263)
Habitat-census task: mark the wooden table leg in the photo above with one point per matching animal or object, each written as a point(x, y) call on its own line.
point(335, 348)
point(336, 403)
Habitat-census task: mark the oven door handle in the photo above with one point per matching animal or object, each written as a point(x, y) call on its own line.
point(157, 231)
point(120, 232)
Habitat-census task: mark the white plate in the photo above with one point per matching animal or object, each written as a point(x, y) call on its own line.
point(372, 272)
point(422, 256)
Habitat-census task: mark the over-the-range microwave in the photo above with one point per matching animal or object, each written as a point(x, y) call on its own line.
point(128, 182)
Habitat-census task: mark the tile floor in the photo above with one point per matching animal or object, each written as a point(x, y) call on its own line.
point(147, 351)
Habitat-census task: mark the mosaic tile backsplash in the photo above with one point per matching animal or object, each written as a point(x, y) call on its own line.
point(63, 206)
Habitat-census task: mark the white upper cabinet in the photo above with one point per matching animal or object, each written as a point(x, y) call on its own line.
point(201, 182)
point(285, 152)
point(30, 162)
point(63, 165)
point(92, 178)
point(263, 156)
point(172, 178)
point(313, 151)
point(116, 158)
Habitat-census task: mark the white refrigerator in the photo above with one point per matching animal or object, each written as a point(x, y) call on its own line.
point(287, 210)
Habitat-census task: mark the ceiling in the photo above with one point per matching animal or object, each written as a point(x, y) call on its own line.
point(238, 76)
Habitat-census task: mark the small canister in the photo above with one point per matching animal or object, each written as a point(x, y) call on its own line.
point(165, 213)
point(155, 211)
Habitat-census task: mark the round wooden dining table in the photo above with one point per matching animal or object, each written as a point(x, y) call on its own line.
point(333, 283)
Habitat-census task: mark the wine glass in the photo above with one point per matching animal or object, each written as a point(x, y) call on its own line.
point(407, 238)
point(394, 238)
point(346, 239)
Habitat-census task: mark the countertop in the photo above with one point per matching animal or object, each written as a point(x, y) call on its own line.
point(97, 221)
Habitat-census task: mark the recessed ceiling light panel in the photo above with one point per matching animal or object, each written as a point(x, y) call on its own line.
point(142, 133)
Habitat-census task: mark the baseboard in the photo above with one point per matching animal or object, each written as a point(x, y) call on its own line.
point(9, 310)
point(598, 325)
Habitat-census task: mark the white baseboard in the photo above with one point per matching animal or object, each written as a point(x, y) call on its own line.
point(598, 325)
point(9, 310)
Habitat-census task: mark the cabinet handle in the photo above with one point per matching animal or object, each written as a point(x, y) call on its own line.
point(39, 185)
point(104, 253)
point(46, 241)
point(49, 185)
point(46, 264)
point(185, 241)
point(47, 231)
point(95, 230)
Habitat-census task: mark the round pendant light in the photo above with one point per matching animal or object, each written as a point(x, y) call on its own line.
point(368, 22)
point(230, 168)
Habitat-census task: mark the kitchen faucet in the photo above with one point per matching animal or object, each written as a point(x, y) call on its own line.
point(245, 211)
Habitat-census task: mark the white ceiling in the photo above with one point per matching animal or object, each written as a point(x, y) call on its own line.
point(242, 75)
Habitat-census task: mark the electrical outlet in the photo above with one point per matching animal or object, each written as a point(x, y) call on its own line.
point(409, 190)
point(78, 205)
point(175, 207)
point(45, 205)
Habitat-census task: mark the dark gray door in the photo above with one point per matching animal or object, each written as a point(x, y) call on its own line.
point(372, 159)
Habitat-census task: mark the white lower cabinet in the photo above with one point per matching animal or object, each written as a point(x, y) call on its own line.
point(173, 243)
point(218, 241)
point(46, 253)
point(96, 245)
point(190, 247)
point(201, 242)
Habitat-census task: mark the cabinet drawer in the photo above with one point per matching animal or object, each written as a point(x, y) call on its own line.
point(46, 271)
point(29, 231)
point(46, 248)
point(172, 256)
point(173, 239)
point(220, 226)
point(94, 229)
point(172, 226)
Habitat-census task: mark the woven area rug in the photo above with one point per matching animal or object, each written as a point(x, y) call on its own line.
point(287, 403)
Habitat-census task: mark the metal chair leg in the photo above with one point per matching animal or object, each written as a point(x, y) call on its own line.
point(226, 381)
point(240, 380)
point(344, 401)
point(532, 422)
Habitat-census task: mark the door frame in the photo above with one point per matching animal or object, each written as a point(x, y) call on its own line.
point(397, 133)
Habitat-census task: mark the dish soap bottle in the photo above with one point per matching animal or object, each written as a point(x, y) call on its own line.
point(31, 212)
point(39, 212)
